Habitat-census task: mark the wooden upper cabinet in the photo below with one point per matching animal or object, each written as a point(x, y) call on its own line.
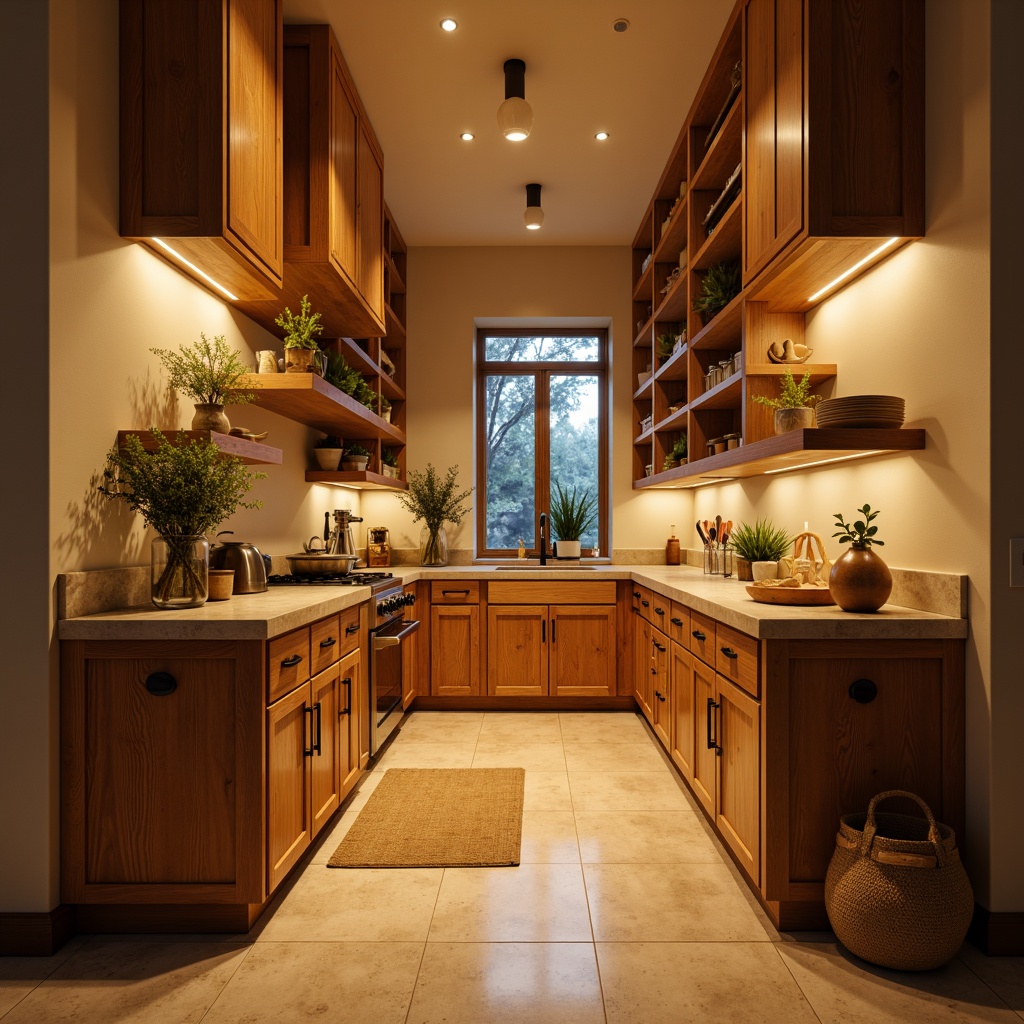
point(201, 136)
point(334, 193)
point(833, 162)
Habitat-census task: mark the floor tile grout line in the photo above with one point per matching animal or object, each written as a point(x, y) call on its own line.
point(989, 986)
point(217, 998)
point(796, 981)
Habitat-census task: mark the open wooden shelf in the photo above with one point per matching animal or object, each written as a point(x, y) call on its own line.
point(796, 449)
point(308, 398)
point(361, 481)
point(252, 453)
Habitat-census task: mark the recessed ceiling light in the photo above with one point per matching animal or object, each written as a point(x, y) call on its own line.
point(467, 136)
point(620, 24)
point(601, 136)
point(449, 24)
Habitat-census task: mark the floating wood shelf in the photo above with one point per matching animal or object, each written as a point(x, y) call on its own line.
point(362, 481)
point(250, 452)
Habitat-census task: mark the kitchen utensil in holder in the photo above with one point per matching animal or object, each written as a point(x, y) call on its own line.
point(717, 559)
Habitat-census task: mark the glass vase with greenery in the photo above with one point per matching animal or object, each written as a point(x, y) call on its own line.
point(435, 501)
point(183, 490)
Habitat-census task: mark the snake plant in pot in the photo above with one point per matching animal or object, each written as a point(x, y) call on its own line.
point(572, 514)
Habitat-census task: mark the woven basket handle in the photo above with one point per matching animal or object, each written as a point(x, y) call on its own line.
point(870, 827)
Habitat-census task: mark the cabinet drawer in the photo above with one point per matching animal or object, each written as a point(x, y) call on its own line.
point(455, 592)
point(324, 643)
point(702, 637)
point(350, 629)
point(660, 611)
point(679, 625)
point(551, 592)
point(287, 662)
point(736, 658)
point(642, 600)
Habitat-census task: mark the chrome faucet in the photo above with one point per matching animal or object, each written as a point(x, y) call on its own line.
point(543, 542)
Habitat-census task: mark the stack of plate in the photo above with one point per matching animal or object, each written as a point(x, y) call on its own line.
point(885, 411)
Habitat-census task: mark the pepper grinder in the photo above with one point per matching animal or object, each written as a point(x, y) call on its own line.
point(672, 548)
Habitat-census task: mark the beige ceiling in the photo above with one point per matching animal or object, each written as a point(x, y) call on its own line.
point(421, 87)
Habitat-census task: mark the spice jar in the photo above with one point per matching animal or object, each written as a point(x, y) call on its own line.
point(732, 441)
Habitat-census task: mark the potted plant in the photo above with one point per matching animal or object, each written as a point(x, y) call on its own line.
point(208, 372)
point(355, 458)
point(435, 502)
point(347, 378)
point(327, 452)
point(300, 337)
point(859, 580)
point(572, 514)
point(385, 409)
point(794, 408)
point(389, 463)
point(720, 286)
point(677, 456)
point(183, 490)
point(665, 346)
point(758, 549)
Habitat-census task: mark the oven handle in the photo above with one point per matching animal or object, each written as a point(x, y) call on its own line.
point(393, 639)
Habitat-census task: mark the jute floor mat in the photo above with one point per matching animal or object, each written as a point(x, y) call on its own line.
point(438, 817)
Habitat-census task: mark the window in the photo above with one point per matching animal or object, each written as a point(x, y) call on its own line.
point(542, 408)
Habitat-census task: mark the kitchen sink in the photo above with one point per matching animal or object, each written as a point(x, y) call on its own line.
point(545, 568)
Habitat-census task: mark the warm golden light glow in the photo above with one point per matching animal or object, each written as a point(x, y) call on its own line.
point(467, 136)
point(449, 24)
point(842, 277)
point(195, 270)
point(821, 462)
point(601, 136)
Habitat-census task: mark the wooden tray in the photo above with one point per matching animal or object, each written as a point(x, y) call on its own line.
point(791, 595)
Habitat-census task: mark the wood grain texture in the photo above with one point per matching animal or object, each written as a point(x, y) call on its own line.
point(249, 452)
point(289, 816)
point(704, 781)
point(454, 649)
point(325, 766)
point(661, 688)
point(284, 672)
point(353, 701)
point(738, 813)
point(684, 724)
point(582, 650)
point(551, 592)
point(702, 637)
point(742, 669)
point(325, 642)
point(517, 650)
point(455, 591)
point(679, 625)
point(643, 667)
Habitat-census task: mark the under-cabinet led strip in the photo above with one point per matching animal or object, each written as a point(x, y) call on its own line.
point(194, 268)
point(842, 277)
point(821, 462)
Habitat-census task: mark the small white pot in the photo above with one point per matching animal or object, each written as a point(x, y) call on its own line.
point(568, 549)
point(764, 570)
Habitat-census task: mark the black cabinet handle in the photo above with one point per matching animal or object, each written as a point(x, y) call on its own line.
point(161, 684)
point(712, 744)
point(347, 709)
point(676, 622)
point(659, 695)
point(291, 661)
point(646, 604)
point(329, 642)
point(659, 611)
point(552, 630)
point(543, 631)
point(308, 751)
point(863, 691)
point(445, 593)
point(698, 635)
point(660, 648)
point(729, 652)
point(319, 717)
point(349, 630)
point(636, 594)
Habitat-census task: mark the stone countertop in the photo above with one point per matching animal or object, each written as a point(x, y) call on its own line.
point(280, 609)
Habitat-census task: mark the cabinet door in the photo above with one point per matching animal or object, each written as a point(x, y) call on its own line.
point(705, 745)
point(683, 711)
point(581, 651)
point(661, 688)
point(642, 668)
point(325, 764)
point(738, 814)
point(454, 650)
point(774, 132)
point(351, 718)
point(517, 650)
point(342, 185)
point(289, 820)
point(370, 225)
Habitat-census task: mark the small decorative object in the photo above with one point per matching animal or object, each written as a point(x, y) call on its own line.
point(207, 372)
point(762, 542)
point(896, 892)
point(649, 469)
point(300, 337)
point(355, 459)
point(572, 514)
point(522, 549)
point(435, 502)
point(720, 286)
point(672, 548)
point(788, 352)
point(385, 409)
point(884, 412)
point(221, 584)
point(677, 455)
point(183, 490)
point(859, 581)
point(266, 361)
point(389, 463)
point(794, 408)
point(248, 434)
point(327, 452)
point(378, 547)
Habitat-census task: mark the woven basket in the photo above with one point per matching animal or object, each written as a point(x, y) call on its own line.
point(896, 892)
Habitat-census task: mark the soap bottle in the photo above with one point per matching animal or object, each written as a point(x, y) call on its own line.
point(672, 548)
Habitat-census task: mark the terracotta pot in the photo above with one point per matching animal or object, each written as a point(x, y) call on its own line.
point(860, 581)
point(744, 570)
point(793, 419)
point(299, 360)
point(211, 417)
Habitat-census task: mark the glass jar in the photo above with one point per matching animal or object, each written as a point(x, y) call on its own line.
point(181, 566)
point(433, 546)
point(725, 368)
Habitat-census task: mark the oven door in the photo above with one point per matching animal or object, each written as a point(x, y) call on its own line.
point(386, 656)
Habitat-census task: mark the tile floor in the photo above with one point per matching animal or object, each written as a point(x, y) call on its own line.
point(623, 911)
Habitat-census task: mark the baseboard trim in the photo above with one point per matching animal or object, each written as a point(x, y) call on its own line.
point(485, 703)
point(39, 934)
point(997, 934)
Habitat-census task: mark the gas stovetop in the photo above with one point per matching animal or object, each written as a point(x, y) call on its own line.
point(351, 579)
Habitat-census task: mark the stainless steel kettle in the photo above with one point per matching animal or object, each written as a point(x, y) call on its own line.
point(245, 559)
point(339, 540)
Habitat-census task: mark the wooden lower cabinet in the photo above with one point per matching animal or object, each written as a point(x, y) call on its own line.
point(455, 650)
point(738, 800)
point(643, 684)
point(661, 687)
point(683, 712)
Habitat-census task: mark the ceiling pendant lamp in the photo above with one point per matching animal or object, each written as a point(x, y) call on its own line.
point(534, 215)
point(515, 117)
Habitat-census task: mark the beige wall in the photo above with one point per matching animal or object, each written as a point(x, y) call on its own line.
point(917, 326)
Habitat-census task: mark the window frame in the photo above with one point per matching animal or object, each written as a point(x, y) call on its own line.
point(542, 372)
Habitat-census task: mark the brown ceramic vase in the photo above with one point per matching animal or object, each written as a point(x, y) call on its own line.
point(860, 581)
point(211, 417)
